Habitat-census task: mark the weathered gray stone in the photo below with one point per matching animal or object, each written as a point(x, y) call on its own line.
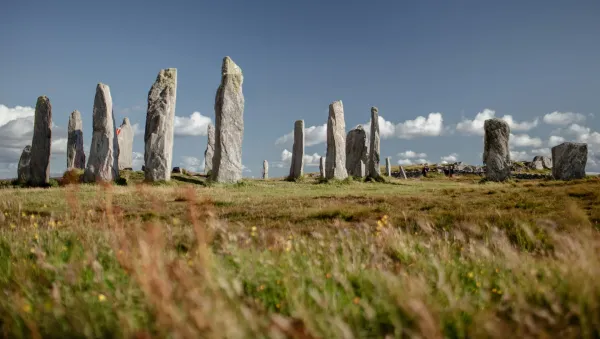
point(335, 160)
point(357, 151)
point(496, 154)
point(125, 139)
point(229, 120)
point(546, 162)
point(569, 160)
point(322, 167)
point(210, 149)
point(158, 136)
point(103, 159)
point(373, 169)
point(75, 152)
point(388, 167)
point(537, 164)
point(297, 165)
point(41, 143)
point(24, 169)
point(402, 172)
point(265, 169)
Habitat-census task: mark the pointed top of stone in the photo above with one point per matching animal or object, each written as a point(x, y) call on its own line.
point(335, 103)
point(75, 114)
point(359, 127)
point(102, 86)
point(495, 123)
point(229, 67)
point(125, 122)
point(374, 109)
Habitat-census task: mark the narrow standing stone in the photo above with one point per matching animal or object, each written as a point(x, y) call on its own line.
point(297, 166)
point(373, 170)
point(41, 143)
point(388, 167)
point(265, 169)
point(335, 162)
point(125, 138)
point(210, 149)
point(75, 152)
point(24, 170)
point(103, 159)
point(158, 136)
point(496, 154)
point(402, 172)
point(322, 167)
point(569, 160)
point(229, 120)
point(357, 152)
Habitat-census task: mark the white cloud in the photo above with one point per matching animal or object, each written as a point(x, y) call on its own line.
point(410, 155)
point(244, 169)
point(560, 118)
point(387, 129)
point(421, 126)
point(137, 130)
point(59, 146)
point(584, 134)
point(194, 125)
point(541, 151)
point(137, 160)
point(524, 140)
point(475, 126)
point(313, 135)
point(520, 156)
point(412, 162)
point(450, 158)
point(286, 159)
point(191, 163)
point(286, 155)
point(9, 114)
point(555, 140)
point(312, 160)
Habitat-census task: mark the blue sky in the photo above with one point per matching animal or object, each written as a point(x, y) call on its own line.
point(429, 66)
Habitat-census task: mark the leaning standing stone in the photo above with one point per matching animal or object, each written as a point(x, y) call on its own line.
point(569, 160)
point(297, 166)
point(402, 172)
point(158, 136)
point(41, 143)
point(23, 171)
point(335, 161)
point(210, 149)
point(75, 152)
point(265, 169)
point(356, 152)
point(388, 167)
point(496, 155)
point(322, 167)
point(373, 169)
point(103, 159)
point(229, 120)
point(125, 138)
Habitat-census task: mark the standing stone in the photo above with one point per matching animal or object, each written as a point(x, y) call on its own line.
point(335, 160)
point(546, 162)
point(402, 172)
point(229, 120)
point(265, 169)
point(373, 169)
point(103, 159)
point(41, 143)
point(297, 166)
point(210, 149)
point(125, 138)
point(24, 170)
point(496, 155)
point(569, 160)
point(357, 152)
point(75, 152)
point(322, 167)
point(388, 167)
point(160, 117)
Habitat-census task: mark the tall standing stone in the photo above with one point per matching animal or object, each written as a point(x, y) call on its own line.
point(75, 152)
point(210, 149)
point(496, 154)
point(373, 169)
point(357, 152)
point(265, 169)
point(297, 165)
point(24, 170)
point(335, 161)
point(322, 167)
point(569, 160)
point(102, 164)
point(388, 167)
point(41, 143)
point(229, 120)
point(125, 138)
point(160, 117)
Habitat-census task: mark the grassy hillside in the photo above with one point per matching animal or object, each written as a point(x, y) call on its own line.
point(432, 258)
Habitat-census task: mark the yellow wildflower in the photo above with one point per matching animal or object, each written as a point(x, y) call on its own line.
point(36, 236)
point(356, 300)
point(278, 306)
point(101, 297)
point(175, 221)
point(52, 224)
point(470, 274)
point(27, 308)
point(253, 228)
point(13, 226)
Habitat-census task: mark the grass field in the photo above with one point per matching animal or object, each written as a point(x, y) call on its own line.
point(429, 258)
